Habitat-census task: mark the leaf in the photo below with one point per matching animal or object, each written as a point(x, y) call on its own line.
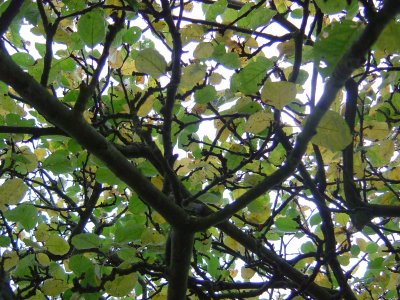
point(132, 35)
point(249, 78)
point(86, 241)
point(57, 245)
point(80, 264)
point(23, 59)
point(334, 41)
point(12, 191)
point(129, 231)
point(247, 273)
point(121, 285)
point(151, 62)
point(331, 6)
point(332, 132)
point(258, 121)
point(192, 74)
point(375, 130)
point(286, 224)
point(54, 287)
point(203, 50)
point(215, 9)
point(279, 93)
point(26, 214)
point(205, 94)
point(58, 162)
point(92, 27)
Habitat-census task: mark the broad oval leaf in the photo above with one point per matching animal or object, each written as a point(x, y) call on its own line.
point(121, 285)
point(12, 191)
point(92, 27)
point(86, 241)
point(279, 93)
point(57, 245)
point(151, 62)
point(332, 132)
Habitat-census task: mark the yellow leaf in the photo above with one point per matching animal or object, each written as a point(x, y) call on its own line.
point(158, 182)
point(40, 153)
point(129, 67)
point(375, 130)
point(57, 245)
point(332, 132)
point(286, 48)
point(258, 121)
point(12, 191)
point(247, 273)
point(121, 286)
point(146, 107)
point(394, 174)
point(152, 237)
point(279, 93)
point(115, 59)
point(43, 259)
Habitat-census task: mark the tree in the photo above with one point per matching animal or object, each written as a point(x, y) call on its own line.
point(179, 149)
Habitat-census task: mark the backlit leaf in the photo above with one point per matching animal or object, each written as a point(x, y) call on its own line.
point(332, 132)
point(57, 245)
point(86, 241)
point(12, 191)
point(205, 94)
point(279, 93)
point(258, 121)
point(151, 62)
point(92, 27)
point(121, 285)
point(26, 214)
point(54, 287)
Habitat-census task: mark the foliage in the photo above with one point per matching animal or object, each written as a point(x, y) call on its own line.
point(155, 149)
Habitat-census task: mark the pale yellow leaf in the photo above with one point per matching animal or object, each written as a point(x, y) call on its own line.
point(258, 121)
point(12, 191)
point(279, 93)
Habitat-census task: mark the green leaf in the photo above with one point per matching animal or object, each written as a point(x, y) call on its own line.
point(332, 132)
point(229, 60)
point(203, 50)
point(121, 285)
point(132, 35)
point(334, 41)
point(58, 162)
point(129, 231)
point(387, 41)
point(151, 62)
point(248, 80)
point(80, 264)
point(279, 93)
point(92, 27)
point(86, 241)
point(256, 18)
point(205, 94)
point(26, 214)
point(286, 224)
point(12, 191)
point(23, 59)
point(57, 245)
point(331, 6)
point(54, 287)
point(215, 9)
point(308, 247)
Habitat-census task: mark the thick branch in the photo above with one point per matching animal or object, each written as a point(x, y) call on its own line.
point(181, 254)
point(9, 14)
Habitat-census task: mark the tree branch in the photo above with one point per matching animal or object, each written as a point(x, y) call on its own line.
point(9, 14)
point(76, 126)
point(347, 64)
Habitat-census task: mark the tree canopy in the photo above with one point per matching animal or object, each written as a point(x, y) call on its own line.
point(199, 149)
